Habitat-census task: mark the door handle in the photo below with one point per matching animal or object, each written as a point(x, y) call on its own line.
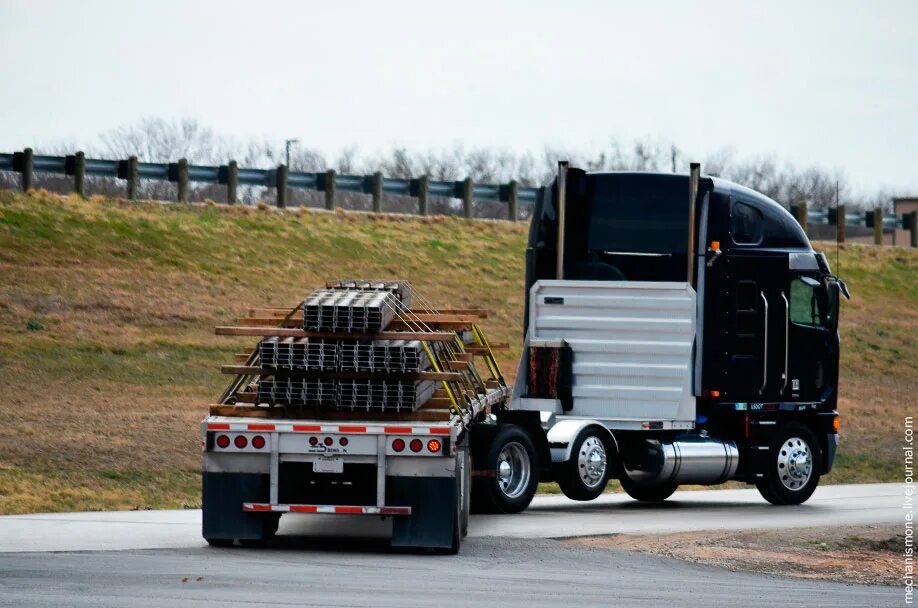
point(765, 340)
point(786, 340)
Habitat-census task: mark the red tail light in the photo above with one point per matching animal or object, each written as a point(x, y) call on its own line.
point(416, 445)
point(241, 441)
point(328, 441)
point(434, 445)
point(343, 441)
point(258, 442)
point(313, 441)
point(398, 445)
point(223, 441)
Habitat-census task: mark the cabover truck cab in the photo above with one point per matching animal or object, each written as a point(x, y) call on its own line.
point(678, 330)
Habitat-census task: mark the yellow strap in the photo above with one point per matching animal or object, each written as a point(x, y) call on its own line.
point(449, 390)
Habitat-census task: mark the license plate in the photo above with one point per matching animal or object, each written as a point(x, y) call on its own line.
point(328, 465)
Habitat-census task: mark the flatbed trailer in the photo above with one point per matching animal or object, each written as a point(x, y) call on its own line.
point(413, 467)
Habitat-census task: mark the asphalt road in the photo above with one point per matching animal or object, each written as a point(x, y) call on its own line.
point(108, 559)
point(547, 517)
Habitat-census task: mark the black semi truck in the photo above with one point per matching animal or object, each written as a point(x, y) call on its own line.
point(679, 330)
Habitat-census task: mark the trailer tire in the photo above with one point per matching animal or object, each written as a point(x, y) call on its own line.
point(647, 492)
point(219, 542)
point(509, 475)
point(792, 474)
point(465, 492)
point(585, 474)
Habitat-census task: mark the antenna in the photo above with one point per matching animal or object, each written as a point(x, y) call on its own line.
point(838, 218)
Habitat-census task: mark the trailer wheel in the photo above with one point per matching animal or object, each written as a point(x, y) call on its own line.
point(647, 492)
point(792, 474)
point(585, 474)
point(510, 473)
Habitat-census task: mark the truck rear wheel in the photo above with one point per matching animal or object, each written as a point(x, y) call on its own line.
point(510, 473)
point(792, 474)
point(647, 492)
point(585, 474)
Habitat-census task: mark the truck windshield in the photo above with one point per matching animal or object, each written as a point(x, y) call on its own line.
point(637, 213)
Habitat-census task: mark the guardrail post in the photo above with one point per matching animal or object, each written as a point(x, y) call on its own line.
point(878, 226)
point(330, 190)
point(800, 213)
point(913, 228)
point(27, 170)
point(232, 181)
point(79, 173)
point(281, 185)
point(377, 192)
point(183, 180)
point(132, 178)
point(840, 221)
point(422, 194)
point(513, 201)
point(467, 198)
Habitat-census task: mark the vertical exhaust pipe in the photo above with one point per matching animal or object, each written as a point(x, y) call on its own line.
point(562, 192)
point(694, 179)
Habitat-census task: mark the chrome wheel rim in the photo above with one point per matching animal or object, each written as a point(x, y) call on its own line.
point(591, 462)
point(795, 463)
point(513, 469)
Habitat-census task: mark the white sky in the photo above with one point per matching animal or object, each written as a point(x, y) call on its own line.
point(833, 84)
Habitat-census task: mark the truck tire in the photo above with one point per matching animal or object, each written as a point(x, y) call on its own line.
point(647, 492)
point(465, 491)
point(792, 474)
point(585, 474)
point(220, 542)
point(510, 473)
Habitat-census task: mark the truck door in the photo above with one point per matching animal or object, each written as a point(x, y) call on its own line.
point(812, 356)
point(745, 310)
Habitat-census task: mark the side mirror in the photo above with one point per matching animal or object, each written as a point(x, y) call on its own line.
point(843, 288)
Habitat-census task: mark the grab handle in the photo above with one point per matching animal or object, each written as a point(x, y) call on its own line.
point(765, 354)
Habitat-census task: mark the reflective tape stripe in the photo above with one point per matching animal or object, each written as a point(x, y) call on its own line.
point(261, 427)
point(327, 428)
point(339, 509)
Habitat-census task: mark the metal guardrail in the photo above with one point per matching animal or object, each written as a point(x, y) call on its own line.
point(78, 166)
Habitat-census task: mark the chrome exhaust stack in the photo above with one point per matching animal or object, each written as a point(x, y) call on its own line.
point(691, 459)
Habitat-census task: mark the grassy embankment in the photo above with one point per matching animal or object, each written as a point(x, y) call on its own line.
point(108, 358)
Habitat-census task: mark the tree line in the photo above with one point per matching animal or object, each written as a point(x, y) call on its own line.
point(160, 140)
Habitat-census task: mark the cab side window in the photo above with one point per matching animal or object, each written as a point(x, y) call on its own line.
point(805, 305)
point(746, 224)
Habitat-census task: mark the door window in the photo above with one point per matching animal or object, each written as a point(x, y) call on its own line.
point(808, 304)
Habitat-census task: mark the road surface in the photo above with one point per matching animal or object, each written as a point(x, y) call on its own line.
point(547, 517)
point(155, 558)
